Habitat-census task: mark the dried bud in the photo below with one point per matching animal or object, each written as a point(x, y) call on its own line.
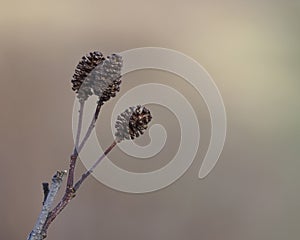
point(132, 123)
point(98, 75)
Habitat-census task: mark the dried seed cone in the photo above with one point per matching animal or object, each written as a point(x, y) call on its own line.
point(98, 75)
point(84, 67)
point(107, 78)
point(132, 123)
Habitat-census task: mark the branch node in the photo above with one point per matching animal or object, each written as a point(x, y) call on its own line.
point(46, 191)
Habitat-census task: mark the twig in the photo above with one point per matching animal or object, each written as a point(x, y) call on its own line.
point(74, 156)
point(85, 84)
point(70, 195)
point(88, 172)
point(81, 109)
point(57, 210)
point(37, 232)
point(91, 126)
point(46, 191)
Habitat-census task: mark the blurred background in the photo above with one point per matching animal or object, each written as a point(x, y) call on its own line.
point(250, 48)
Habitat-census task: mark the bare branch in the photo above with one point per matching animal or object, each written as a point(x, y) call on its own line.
point(91, 127)
point(88, 172)
point(37, 232)
point(79, 127)
point(94, 75)
point(74, 156)
point(46, 191)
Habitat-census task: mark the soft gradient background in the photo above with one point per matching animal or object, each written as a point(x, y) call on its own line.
point(251, 49)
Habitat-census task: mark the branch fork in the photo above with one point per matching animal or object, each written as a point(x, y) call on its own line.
point(97, 75)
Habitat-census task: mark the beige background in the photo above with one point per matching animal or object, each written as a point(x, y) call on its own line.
point(251, 49)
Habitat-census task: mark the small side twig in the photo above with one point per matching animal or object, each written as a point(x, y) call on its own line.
point(37, 232)
point(74, 156)
point(91, 127)
point(46, 191)
point(88, 172)
point(70, 195)
point(130, 124)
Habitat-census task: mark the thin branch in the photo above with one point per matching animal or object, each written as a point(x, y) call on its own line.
point(37, 232)
point(57, 210)
point(46, 191)
point(80, 118)
point(91, 126)
point(70, 195)
point(74, 156)
point(110, 70)
point(88, 172)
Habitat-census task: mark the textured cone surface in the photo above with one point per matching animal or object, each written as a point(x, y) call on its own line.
point(99, 75)
point(84, 67)
point(132, 123)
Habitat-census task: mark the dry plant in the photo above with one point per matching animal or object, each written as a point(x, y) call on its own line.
point(100, 76)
